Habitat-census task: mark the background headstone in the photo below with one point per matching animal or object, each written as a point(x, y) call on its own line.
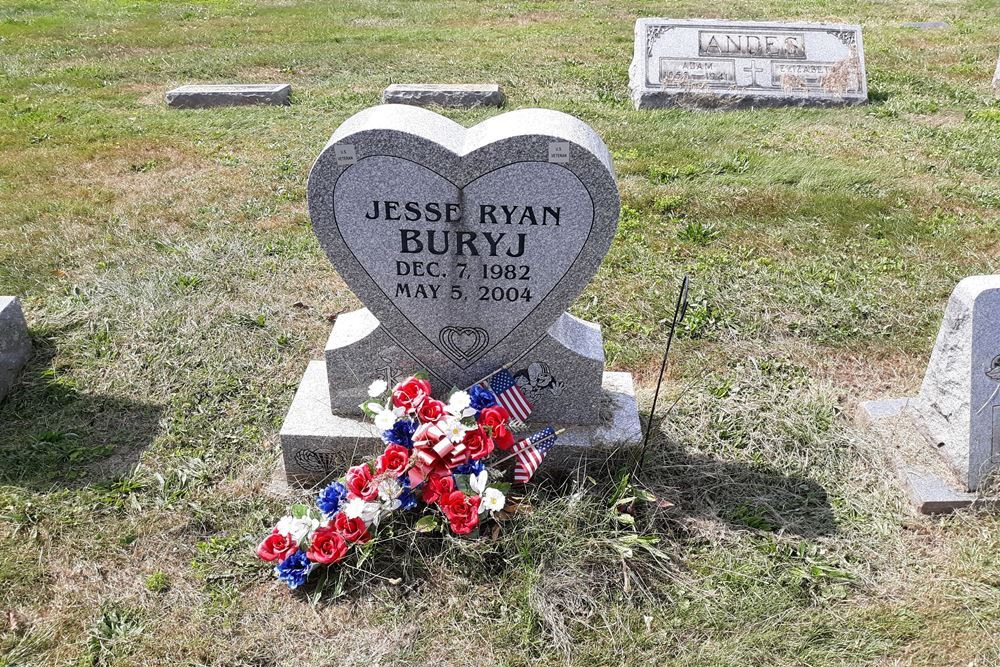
point(15, 345)
point(204, 96)
point(926, 25)
point(956, 416)
point(456, 95)
point(727, 64)
point(466, 246)
point(996, 79)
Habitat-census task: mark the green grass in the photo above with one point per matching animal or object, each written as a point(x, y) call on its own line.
point(163, 258)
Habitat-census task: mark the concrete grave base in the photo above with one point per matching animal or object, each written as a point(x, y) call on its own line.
point(319, 445)
point(932, 486)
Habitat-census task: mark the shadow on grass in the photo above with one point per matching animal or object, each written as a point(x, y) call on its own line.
point(736, 494)
point(52, 435)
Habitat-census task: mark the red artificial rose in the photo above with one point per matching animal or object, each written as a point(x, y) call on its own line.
point(437, 487)
point(478, 444)
point(328, 546)
point(360, 483)
point(394, 461)
point(462, 511)
point(410, 393)
point(430, 410)
point(495, 418)
point(352, 530)
point(277, 547)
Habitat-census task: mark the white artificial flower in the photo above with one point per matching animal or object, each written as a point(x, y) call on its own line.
point(389, 491)
point(377, 388)
point(297, 529)
point(478, 482)
point(356, 508)
point(491, 500)
point(458, 405)
point(455, 430)
point(385, 420)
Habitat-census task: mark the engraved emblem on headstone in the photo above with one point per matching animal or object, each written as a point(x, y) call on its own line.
point(559, 152)
point(993, 372)
point(345, 154)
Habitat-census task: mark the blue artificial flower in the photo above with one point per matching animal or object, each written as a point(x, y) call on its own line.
point(330, 498)
point(470, 468)
point(481, 398)
point(407, 499)
point(294, 570)
point(401, 433)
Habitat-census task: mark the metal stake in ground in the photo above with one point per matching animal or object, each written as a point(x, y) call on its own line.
point(680, 309)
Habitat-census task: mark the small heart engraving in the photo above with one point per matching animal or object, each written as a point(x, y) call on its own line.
point(464, 344)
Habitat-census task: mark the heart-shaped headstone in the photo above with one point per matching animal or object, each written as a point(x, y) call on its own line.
point(465, 244)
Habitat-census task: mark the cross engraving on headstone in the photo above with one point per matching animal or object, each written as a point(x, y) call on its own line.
point(752, 69)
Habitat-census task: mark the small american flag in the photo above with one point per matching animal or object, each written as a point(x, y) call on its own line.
point(530, 452)
point(509, 395)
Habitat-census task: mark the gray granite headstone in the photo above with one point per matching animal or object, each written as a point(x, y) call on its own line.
point(459, 95)
point(15, 345)
point(956, 416)
point(703, 63)
point(959, 402)
point(996, 79)
point(466, 246)
point(204, 96)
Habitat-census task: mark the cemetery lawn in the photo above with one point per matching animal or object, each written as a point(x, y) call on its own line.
point(175, 292)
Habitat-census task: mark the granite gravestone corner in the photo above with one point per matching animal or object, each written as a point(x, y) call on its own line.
point(996, 79)
point(466, 246)
point(712, 64)
point(15, 345)
point(206, 96)
point(947, 438)
point(455, 95)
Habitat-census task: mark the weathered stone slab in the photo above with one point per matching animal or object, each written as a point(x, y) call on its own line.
point(466, 245)
point(959, 402)
point(455, 95)
point(931, 485)
point(926, 25)
point(318, 445)
point(204, 96)
point(946, 440)
point(560, 375)
point(15, 345)
point(703, 63)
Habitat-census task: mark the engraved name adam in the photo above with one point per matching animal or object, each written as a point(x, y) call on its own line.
point(751, 44)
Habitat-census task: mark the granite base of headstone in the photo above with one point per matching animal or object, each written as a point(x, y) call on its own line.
point(15, 345)
point(946, 440)
point(207, 96)
point(715, 64)
point(466, 247)
point(461, 95)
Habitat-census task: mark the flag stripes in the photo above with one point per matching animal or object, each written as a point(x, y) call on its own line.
point(529, 453)
point(509, 395)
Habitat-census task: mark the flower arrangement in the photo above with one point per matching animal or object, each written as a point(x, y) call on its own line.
point(434, 458)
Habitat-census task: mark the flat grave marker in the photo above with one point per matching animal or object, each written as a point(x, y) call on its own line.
point(455, 95)
point(702, 63)
point(206, 96)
